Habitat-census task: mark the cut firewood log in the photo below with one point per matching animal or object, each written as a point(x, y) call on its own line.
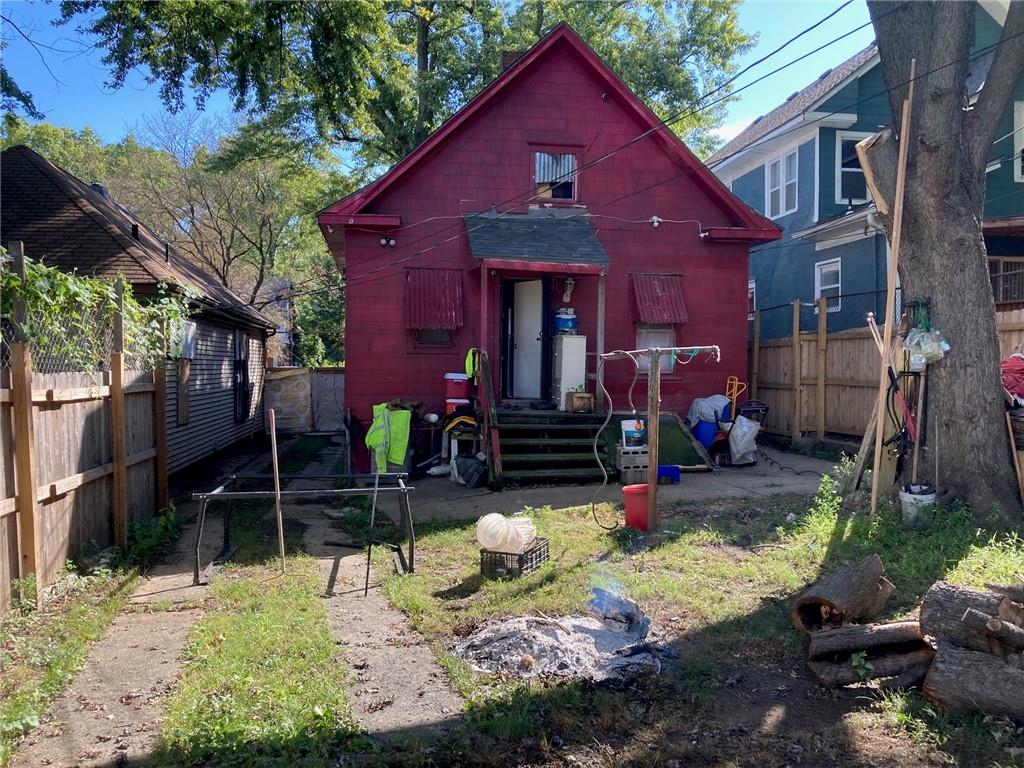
point(859, 637)
point(851, 594)
point(834, 674)
point(1013, 591)
point(961, 680)
point(912, 678)
point(977, 622)
point(943, 609)
point(1011, 611)
point(1008, 634)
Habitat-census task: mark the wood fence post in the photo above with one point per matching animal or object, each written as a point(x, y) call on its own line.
point(819, 391)
point(755, 363)
point(653, 435)
point(117, 424)
point(797, 372)
point(30, 555)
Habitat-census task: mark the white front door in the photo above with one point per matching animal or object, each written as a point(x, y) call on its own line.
point(528, 316)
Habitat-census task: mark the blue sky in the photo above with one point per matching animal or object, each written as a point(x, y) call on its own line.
point(74, 95)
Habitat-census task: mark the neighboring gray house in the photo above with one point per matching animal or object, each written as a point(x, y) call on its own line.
point(215, 381)
point(797, 166)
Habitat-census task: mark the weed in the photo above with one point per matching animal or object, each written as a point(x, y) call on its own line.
point(862, 665)
point(147, 538)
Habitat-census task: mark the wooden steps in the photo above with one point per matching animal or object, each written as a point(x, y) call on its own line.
point(550, 446)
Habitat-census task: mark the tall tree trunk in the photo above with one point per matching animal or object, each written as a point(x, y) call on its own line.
point(943, 259)
point(424, 117)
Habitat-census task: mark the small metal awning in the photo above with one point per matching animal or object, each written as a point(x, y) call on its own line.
point(562, 239)
point(659, 298)
point(434, 298)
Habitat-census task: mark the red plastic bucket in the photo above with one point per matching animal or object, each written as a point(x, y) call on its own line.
point(636, 506)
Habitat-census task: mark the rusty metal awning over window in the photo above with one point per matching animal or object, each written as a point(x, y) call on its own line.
point(433, 298)
point(659, 298)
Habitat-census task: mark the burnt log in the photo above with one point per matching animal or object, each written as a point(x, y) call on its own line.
point(962, 680)
point(851, 594)
point(833, 674)
point(943, 611)
point(859, 637)
point(1006, 633)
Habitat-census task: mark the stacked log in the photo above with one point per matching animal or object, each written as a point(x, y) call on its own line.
point(979, 641)
point(896, 652)
point(851, 594)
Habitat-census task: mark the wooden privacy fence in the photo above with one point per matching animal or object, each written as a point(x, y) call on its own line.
point(819, 382)
point(81, 456)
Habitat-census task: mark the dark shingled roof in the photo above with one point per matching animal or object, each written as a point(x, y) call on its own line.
point(67, 224)
point(795, 105)
point(565, 239)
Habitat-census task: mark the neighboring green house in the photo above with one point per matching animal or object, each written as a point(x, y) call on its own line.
point(797, 166)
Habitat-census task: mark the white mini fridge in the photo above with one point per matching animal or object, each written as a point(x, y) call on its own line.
point(569, 367)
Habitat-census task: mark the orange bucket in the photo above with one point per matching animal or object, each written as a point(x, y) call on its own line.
point(636, 506)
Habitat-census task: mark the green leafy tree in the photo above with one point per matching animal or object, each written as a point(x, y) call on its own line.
point(381, 76)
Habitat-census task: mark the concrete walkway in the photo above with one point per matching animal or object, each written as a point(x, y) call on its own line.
point(440, 499)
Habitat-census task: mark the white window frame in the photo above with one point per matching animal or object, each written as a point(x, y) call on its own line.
point(751, 291)
point(667, 360)
point(783, 183)
point(1018, 141)
point(840, 136)
point(820, 267)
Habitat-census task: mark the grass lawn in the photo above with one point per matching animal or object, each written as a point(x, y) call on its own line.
point(717, 586)
point(263, 682)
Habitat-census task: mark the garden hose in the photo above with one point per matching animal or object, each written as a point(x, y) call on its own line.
point(604, 426)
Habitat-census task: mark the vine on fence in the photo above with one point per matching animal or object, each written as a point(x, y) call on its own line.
point(72, 317)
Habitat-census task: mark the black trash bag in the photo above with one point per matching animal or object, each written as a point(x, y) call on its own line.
point(471, 471)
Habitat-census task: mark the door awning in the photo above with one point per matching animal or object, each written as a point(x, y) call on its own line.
point(551, 237)
point(433, 298)
point(659, 298)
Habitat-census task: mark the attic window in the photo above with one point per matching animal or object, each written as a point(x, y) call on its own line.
point(555, 175)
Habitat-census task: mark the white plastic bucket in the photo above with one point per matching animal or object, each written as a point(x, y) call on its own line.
point(918, 505)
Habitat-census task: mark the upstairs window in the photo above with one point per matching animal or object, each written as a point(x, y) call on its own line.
point(851, 186)
point(555, 175)
point(1018, 141)
point(828, 283)
point(781, 185)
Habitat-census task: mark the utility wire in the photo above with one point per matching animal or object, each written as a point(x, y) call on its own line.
point(662, 125)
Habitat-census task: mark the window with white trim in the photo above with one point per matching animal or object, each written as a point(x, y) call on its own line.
point(661, 336)
point(851, 186)
point(1018, 141)
point(828, 283)
point(1007, 276)
point(555, 175)
point(781, 185)
point(751, 298)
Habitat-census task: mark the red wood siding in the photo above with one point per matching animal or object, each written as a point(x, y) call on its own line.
point(557, 102)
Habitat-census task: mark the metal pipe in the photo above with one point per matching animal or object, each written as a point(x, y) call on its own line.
point(313, 492)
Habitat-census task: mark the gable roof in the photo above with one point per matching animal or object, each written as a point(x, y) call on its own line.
point(562, 35)
point(66, 223)
point(797, 104)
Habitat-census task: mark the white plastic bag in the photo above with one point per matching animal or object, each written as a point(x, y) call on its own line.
point(743, 440)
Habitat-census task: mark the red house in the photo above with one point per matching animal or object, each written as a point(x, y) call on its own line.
point(555, 188)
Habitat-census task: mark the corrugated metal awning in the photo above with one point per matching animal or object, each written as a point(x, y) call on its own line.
point(659, 298)
point(433, 298)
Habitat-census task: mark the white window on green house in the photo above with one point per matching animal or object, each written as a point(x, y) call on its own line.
point(751, 299)
point(851, 186)
point(781, 185)
point(661, 336)
point(1018, 141)
point(828, 283)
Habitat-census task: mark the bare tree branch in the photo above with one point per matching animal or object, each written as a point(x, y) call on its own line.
point(1006, 70)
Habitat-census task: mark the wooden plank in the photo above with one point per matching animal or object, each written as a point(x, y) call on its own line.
point(653, 434)
point(163, 496)
point(67, 484)
point(117, 427)
point(601, 291)
point(755, 365)
point(8, 507)
point(69, 394)
point(890, 293)
point(819, 392)
point(6, 396)
point(796, 385)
